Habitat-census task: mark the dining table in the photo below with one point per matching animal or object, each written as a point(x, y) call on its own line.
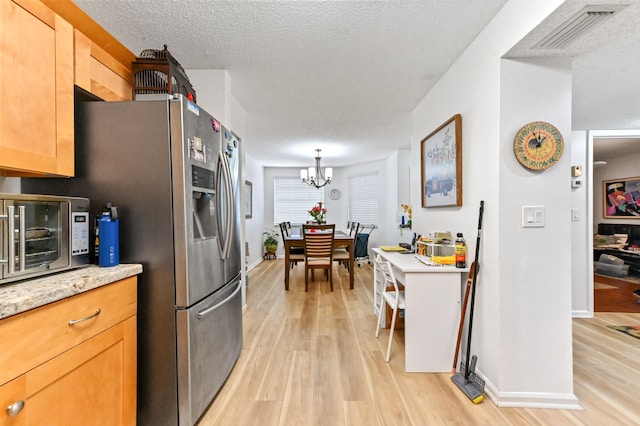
point(340, 239)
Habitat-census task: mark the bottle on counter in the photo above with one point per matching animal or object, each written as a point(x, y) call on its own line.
point(109, 242)
point(461, 251)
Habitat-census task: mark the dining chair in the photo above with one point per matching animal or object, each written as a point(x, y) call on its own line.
point(394, 298)
point(296, 254)
point(341, 254)
point(318, 251)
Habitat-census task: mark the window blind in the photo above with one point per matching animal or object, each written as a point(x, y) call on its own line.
point(292, 199)
point(363, 199)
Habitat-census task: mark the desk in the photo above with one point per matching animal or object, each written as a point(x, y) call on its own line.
point(340, 239)
point(432, 310)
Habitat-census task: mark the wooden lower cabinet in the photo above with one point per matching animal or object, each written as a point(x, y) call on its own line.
point(93, 382)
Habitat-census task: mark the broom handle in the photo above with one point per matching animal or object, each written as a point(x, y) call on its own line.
point(473, 293)
point(462, 317)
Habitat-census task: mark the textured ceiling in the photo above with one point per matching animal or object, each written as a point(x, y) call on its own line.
point(342, 76)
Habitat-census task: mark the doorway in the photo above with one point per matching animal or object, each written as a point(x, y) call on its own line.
point(612, 155)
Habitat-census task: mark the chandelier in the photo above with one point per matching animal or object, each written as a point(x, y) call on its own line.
point(313, 175)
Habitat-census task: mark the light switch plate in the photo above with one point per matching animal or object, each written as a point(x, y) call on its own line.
point(533, 216)
point(575, 214)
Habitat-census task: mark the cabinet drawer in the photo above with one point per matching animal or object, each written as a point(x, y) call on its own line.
point(35, 336)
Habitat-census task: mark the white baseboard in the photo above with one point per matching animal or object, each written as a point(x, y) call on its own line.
point(254, 264)
point(555, 401)
point(581, 314)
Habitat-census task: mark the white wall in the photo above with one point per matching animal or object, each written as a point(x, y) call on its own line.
point(337, 210)
point(211, 91)
point(11, 185)
point(255, 225)
point(522, 335)
point(398, 192)
point(393, 180)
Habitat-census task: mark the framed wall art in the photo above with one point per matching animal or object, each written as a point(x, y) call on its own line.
point(621, 198)
point(248, 199)
point(441, 165)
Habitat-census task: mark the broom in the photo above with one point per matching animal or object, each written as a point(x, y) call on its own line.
point(467, 380)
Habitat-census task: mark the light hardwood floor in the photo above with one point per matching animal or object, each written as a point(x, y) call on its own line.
point(312, 359)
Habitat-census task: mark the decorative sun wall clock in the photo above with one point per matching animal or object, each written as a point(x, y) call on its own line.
point(538, 145)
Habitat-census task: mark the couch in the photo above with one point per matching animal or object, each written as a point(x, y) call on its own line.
point(621, 241)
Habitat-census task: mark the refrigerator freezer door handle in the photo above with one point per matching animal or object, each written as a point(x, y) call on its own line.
point(224, 176)
point(219, 171)
point(230, 207)
point(217, 305)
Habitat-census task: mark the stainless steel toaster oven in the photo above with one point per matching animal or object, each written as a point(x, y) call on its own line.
point(42, 234)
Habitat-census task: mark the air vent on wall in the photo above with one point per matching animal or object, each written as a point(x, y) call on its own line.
point(586, 19)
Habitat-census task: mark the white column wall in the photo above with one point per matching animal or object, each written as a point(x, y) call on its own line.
point(535, 263)
point(521, 369)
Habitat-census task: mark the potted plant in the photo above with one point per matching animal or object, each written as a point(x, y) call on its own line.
point(270, 241)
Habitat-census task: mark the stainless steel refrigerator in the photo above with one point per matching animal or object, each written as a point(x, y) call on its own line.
point(173, 172)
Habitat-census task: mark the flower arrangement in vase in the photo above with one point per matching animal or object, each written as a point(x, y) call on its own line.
point(408, 212)
point(318, 213)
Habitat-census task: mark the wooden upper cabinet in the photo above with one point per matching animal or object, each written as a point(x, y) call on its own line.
point(97, 72)
point(36, 85)
point(102, 63)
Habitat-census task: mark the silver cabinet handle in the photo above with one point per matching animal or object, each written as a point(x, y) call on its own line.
point(95, 314)
point(15, 408)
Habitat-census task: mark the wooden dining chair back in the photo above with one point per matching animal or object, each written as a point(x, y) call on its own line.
point(342, 254)
point(283, 230)
point(394, 298)
point(296, 254)
point(318, 251)
point(353, 227)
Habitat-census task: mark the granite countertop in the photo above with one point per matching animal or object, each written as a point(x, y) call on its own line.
point(29, 294)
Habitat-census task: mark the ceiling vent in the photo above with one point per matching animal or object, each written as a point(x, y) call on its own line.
point(576, 26)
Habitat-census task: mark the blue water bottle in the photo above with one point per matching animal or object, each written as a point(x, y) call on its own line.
point(109, 244)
